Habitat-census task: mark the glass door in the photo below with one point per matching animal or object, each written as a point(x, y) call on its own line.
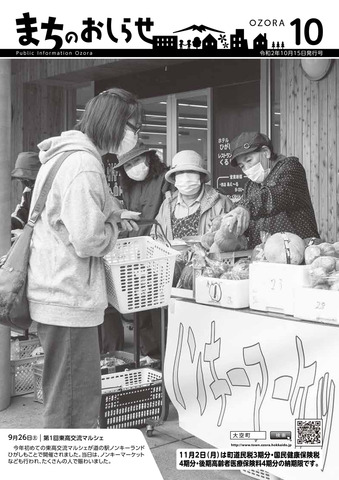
point(193, 123)
point(154, 125)
point(178, 122)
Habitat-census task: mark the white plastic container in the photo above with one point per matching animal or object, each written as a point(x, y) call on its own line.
point(222, 292)
point(273, 285)
point(317, 305)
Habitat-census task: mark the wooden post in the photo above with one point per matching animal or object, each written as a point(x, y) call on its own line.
point(5, 214)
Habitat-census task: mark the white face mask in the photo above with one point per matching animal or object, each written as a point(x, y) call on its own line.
point(137, 172)
point(257, 173)
point(128, 142)
point(188, 183)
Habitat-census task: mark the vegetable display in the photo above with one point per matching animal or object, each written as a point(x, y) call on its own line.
point(323, 261)
point(219, 238)
point(284, 247)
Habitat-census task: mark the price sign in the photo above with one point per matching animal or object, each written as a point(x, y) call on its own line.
point(325, 305)
point(317, 304)
point(277, 288)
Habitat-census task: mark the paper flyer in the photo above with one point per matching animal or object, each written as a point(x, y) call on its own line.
point(251, 395)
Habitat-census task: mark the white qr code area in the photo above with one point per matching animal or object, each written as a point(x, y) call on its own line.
point(308, 432)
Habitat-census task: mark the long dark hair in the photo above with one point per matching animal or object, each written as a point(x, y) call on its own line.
point(156, 168)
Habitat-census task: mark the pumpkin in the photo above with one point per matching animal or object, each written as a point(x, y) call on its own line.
point(284, 247)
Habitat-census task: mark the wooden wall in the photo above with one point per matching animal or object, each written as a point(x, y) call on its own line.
point(309, 130)
point(43, 104)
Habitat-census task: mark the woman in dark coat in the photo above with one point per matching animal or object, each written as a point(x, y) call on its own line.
point(142, 179)
point(275, 199)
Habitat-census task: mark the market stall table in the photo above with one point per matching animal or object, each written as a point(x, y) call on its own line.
point(246, 381)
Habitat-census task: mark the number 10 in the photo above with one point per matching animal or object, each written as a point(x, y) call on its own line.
point(308, 24)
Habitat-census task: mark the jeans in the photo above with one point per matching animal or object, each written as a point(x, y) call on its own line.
point(71, 381)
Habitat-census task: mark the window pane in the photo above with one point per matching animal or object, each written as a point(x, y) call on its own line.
point(154, 128)
point(192, 124)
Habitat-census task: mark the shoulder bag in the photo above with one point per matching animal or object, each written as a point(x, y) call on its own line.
point(14, 311)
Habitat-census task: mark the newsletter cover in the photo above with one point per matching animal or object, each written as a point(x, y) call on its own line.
point(247, 384)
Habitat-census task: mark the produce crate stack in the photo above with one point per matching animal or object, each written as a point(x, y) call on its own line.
point(113, 366)
point(25, 354)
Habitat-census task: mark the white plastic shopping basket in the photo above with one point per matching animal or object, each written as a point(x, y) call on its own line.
point(139, 274)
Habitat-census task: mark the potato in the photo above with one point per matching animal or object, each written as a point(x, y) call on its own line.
point(327, 249)
point(336, 247)
point(311, 253)
point(318, 276)
point(325, 262)
point(333, 278)
point(337, 264)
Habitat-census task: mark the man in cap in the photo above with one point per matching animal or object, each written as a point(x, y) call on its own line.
point(26, 170)
point(276, 197)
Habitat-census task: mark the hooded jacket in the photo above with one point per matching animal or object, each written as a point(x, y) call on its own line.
point(66, 279)
point(212, 205)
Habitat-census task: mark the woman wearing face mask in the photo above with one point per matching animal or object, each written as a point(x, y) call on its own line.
point(142, 179)
point(276, 197)
point(191, 208)
point(66, 287)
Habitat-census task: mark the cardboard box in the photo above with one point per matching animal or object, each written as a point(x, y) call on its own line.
point(222, 292)
point(272, 286)
point(317, 305)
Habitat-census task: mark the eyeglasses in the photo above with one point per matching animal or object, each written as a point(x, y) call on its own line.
point(135, 128)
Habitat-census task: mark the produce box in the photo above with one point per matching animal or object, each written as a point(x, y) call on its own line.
point(317, 305)
point(118, 361)
point(222, 292)
point(130, 398)
point(272, 286)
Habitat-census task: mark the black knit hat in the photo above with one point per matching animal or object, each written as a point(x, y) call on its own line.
point(248, 142)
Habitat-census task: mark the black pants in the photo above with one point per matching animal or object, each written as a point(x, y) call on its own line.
point(112, 331)
point(150, 332)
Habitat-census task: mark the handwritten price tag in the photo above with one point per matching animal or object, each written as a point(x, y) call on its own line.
point(326, 307)
point(320, 305)
point(277, 287)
